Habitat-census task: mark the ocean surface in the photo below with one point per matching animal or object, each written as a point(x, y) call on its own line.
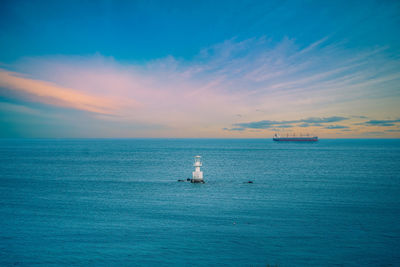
point(113, 202)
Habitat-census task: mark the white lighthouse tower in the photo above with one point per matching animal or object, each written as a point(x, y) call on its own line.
point(197, 174)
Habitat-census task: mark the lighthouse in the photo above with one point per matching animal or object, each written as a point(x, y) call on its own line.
point(197, 174)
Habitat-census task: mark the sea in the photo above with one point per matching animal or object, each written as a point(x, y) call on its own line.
point(118, 202)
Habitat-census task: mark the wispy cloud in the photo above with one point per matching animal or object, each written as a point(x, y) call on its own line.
point(234, 129)
point(53, 94)
point(324, 120)
point(205, 94)
point(266, 124)
point(333, 127)
point(382, 123)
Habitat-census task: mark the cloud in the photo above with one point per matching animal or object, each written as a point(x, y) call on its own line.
point(53, 94)
point(267, 124)
point(324, 120)
point(234, 129)
point(381, 123)
point(250, 77)
point(359, 117)
point(330, 127)
point(158, 93)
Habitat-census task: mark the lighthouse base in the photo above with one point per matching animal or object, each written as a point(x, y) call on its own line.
point(197, 181)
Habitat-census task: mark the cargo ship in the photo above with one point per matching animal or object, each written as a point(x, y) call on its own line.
point(293, 138)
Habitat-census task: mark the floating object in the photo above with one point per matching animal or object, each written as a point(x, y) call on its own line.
point(249, 182)
point(294, 138)
point(197, 175)
point(179, 180)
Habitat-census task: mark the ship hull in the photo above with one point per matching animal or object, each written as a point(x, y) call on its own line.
point(296, 139)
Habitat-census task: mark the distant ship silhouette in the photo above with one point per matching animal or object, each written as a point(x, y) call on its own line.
point(294, 138)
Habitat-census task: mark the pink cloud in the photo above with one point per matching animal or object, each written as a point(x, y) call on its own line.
point(56, 95)
point(205, 94)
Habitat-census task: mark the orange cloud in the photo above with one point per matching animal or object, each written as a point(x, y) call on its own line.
point(53, 94)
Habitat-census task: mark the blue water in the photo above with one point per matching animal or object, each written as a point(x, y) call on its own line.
point(118, 202)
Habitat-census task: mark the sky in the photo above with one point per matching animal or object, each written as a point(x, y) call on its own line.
point(199, 69)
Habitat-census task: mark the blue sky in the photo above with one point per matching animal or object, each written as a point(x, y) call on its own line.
point(244, 68)
point(143, 30)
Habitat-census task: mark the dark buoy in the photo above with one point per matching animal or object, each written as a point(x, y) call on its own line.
point(249, 182)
